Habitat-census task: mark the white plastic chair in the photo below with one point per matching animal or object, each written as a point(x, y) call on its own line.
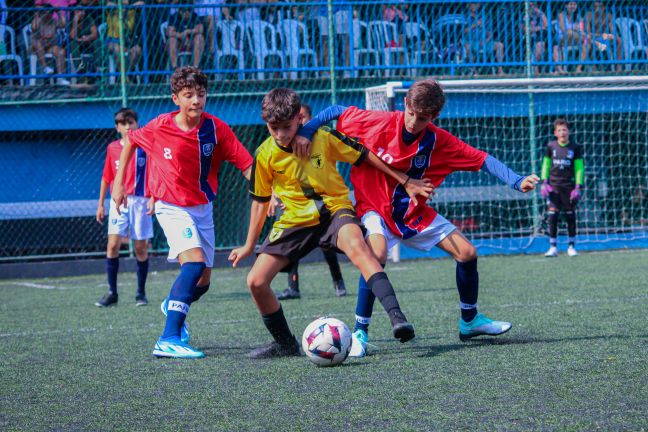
point(295, 44)
point(385, 38)
point(363, 51)
point(11, 56)
point(230, 44)
point(262, 39)
point(632, 39)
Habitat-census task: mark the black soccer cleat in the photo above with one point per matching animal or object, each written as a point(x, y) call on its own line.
point(402, 330)
point(274, 350)
point(340, 289)
point(107, 300)
point(288, 294)
point(141, 300)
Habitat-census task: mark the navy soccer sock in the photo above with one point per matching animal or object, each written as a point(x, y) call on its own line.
point(571, 226)
point(293, 276)
point(364, 306)
point(552, 221)
point(200, 291)
point(181, 296)
point(112, 268)
point(278, 327)
point(468, 286)
point(334, 265)
point(142, 273)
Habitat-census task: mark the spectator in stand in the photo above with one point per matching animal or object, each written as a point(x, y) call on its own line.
point(571, 33)
point(247, 14)
point(83, 38)
point(46, 39)
point(396, 15)
point(156, 42)
point(478, 37)
point(539, 31)
point(210, 13)
point(132, 27)
point(600, 27)
point(186, 33)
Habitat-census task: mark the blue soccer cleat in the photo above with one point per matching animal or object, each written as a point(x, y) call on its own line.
point(482, 325)
point(359, 341)
point(175, 348)
point(185, 336)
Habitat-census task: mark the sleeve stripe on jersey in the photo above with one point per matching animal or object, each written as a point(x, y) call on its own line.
point(353, 143)
point(259, 198)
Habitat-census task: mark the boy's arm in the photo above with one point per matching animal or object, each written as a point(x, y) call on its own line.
point(302, 142)
point(118, 194)
point(413, 187)
point(520, 183)
point(546, 168)
point(101, 212)
point(258, 211)
point(579, 172)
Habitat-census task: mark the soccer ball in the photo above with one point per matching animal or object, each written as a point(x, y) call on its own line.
point(327, 341)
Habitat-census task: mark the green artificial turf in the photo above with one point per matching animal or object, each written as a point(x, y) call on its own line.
point(576, 358)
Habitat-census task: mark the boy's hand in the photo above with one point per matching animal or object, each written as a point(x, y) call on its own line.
point(101, 213)
point(529, 183)
point(423, 187)
point(301, 146)
point(274, 203)
point(575, 195)
point(119, 197)
point(239, 254)
point(150, 206)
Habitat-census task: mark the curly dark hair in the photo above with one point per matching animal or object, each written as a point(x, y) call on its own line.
point(280, 104)
point(188, 77)
point(124, 114)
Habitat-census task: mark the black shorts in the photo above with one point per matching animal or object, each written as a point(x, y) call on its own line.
point(295, 243)
point(559, 199)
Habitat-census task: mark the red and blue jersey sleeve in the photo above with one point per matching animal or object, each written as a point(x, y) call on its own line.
point(455, 154)
point(358, 123)
point(109, 168)
point(144, 137)
point(230, 147)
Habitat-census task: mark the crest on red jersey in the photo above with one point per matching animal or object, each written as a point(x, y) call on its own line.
point(420, 161)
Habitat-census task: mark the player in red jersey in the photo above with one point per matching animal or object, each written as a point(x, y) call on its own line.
point(410, 142)
point(187, 148)
point(135, 221)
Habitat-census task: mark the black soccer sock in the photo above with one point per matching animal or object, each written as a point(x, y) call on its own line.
point(334, 266)
point(112, 268)
point(278, 327)
point(142, 272)
point(571, 224)
point(200, 291)
point(293, 276)
point(468, 286)
point(552, 220)
point(381, 287)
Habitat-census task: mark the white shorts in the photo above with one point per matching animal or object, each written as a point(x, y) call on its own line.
point(439, 229)
point(133, 221)
point(187, 228)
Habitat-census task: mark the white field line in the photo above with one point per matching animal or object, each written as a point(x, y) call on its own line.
point(33, 285)
point(215, 323)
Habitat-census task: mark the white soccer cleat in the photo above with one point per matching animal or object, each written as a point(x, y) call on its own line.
point(359, 341)
point(571, 251)
point(552, 252)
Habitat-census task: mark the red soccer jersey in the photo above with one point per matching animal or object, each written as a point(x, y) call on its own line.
point(135, 178)
point(185, 164)
point(435, 154)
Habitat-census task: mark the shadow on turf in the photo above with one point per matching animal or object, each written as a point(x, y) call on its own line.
point(515, 340)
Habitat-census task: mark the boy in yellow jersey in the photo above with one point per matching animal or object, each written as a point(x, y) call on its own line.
point(318, 213)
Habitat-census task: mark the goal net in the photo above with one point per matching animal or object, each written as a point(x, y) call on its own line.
point(512, 119)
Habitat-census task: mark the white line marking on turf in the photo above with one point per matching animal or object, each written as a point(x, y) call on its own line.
point(34, 285)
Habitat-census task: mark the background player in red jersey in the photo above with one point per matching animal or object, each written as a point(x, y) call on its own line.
point(187, 148)
point(135, 221)
point(408, 141)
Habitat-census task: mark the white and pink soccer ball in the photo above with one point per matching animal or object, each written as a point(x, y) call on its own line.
point(327, 341)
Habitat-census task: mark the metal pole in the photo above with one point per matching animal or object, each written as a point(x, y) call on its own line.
point(122, 55)
point(331, 52)
point(532, 113)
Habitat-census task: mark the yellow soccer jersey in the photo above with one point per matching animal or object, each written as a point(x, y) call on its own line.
point(307, 187)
